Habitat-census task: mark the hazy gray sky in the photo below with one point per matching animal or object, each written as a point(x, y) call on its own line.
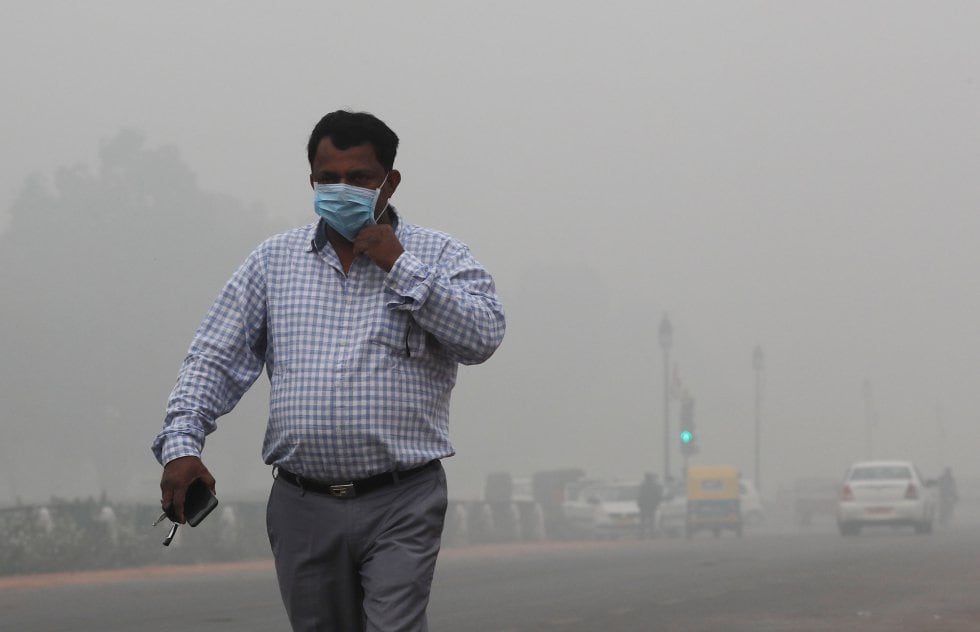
point(799, 175)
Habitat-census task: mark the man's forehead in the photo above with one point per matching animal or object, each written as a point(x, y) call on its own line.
point(363, 155)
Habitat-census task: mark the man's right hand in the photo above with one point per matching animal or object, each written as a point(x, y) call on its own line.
point(177, 477)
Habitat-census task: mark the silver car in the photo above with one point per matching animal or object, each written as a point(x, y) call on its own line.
point(885, 493)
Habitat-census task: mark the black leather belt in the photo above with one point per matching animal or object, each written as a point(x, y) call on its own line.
point(350, 489)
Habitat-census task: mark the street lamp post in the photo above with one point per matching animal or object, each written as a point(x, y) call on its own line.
point(666, 339)
point(758, 363)
point(869, 416)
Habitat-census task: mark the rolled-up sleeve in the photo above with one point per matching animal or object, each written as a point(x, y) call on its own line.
point(454, 299)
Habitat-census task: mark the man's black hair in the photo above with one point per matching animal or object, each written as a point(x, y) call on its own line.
point(350, 129)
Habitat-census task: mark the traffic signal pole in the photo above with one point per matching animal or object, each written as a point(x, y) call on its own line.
point(688, 434)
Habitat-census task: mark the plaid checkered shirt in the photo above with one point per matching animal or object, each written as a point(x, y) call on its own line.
point(361, 364)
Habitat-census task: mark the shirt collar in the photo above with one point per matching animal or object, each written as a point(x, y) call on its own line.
point(320, 232)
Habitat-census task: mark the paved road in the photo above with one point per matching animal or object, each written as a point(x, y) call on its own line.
point(817, 580)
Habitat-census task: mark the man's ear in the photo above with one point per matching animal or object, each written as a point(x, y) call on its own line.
point(394, 179)
point(387, 190)
point(312, 183)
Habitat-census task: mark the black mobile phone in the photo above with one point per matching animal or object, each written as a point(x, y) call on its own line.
point(198, 503)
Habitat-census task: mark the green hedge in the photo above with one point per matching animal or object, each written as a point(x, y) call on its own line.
point(89, 534)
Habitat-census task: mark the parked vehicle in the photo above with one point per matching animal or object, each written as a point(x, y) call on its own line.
point(603, 509)
point(885, 493)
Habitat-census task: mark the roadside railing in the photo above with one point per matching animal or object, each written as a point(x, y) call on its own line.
point(91, 534)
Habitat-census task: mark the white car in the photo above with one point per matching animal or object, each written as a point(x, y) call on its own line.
point(885, 493)
point(604, 509)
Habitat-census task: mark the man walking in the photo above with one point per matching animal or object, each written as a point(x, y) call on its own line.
point(360, 320)
point(651, 493)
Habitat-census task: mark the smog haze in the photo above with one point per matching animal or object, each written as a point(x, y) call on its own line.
point(797, 177)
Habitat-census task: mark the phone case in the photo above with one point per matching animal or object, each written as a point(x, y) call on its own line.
point(198, 503)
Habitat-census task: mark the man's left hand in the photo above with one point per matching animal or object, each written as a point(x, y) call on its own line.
point(378, 241)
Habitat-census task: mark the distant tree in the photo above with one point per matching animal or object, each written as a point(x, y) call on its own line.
point(103, 278)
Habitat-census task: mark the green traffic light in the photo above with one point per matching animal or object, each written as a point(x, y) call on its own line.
point(686, 436)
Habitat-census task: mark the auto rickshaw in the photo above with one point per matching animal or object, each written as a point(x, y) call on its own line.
point(713, 500)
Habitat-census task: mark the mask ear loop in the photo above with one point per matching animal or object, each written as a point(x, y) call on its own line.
point(377, 220)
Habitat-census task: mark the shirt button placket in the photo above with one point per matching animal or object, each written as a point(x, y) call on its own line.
point(343, 341)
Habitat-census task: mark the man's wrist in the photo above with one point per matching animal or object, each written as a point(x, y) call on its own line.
point(394, 261)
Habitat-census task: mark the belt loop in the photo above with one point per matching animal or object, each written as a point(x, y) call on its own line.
point(394, 476)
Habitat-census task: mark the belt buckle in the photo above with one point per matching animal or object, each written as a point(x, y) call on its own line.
point(344, 490)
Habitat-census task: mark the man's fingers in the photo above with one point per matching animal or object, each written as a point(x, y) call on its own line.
point(179, 495)
point(378, 241)
point(210, 482)
point(173, 502)
point(167, 490)
point(167, 503)
point(364, 241)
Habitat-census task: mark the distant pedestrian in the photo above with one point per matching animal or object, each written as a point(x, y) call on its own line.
point(651, 493)
point(948, 496)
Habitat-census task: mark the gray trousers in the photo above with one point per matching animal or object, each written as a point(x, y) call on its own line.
point(362, 563)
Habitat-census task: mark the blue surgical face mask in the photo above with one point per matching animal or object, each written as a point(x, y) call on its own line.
point(346, 208)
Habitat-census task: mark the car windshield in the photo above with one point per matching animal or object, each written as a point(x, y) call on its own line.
point(879, 472)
